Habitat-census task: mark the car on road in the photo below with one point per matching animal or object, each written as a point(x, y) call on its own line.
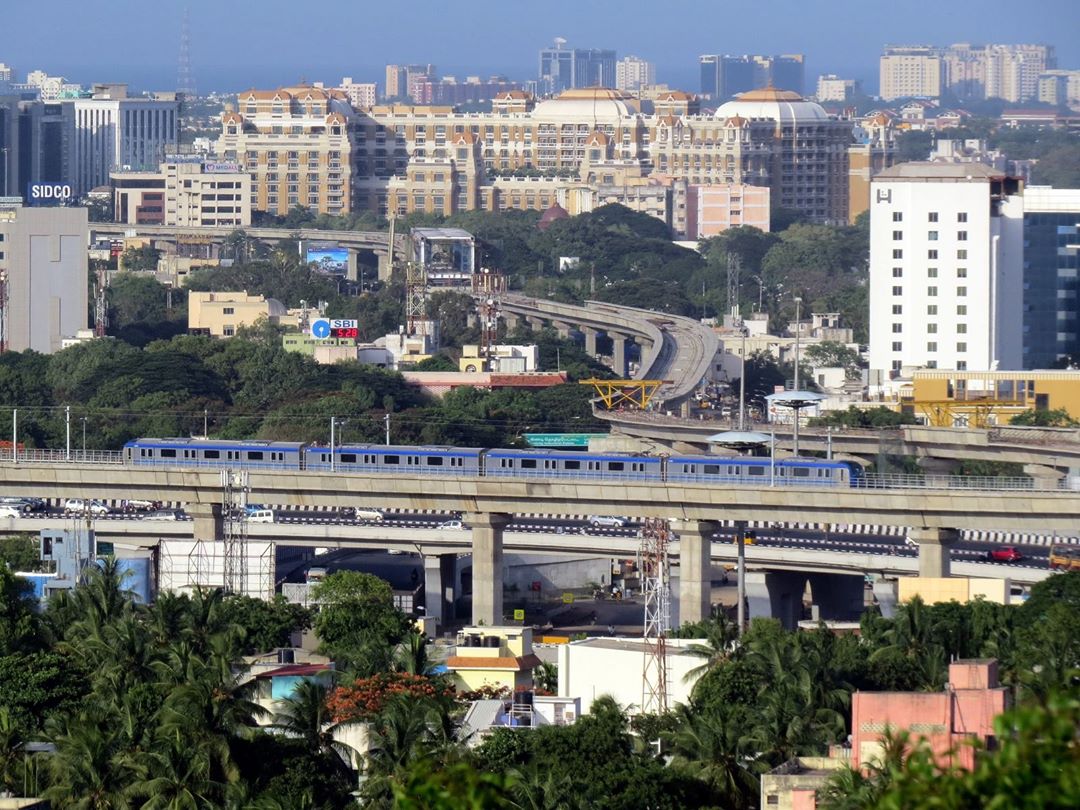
point(26, 505)
point(7, 510)
point(136, 505)
point(79, 506)
point(452, 524)
point(260, 515)
point(1006, 554)
point(165, 514)
point(608, 521)
point(367, 514)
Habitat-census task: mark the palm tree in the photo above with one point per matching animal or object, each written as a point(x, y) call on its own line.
point(721, 641)
point(852, 789)
point(546, 677)
point(86, 770)
point(706, 745)
point(304, 715)
point(411, 654)
point(177, 775)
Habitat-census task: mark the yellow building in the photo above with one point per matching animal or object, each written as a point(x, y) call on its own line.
point(935, 590)
point(982, 398)
point(499, 657)
point(220, 314)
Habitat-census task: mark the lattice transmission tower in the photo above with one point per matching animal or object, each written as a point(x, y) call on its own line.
point(656, 588)
point(234, 528)
point(185, 77)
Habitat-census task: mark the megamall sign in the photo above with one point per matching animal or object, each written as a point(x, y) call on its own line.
point(49, 193)
point(221, 168)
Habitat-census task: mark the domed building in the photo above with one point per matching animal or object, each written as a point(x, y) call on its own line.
point(599, 106)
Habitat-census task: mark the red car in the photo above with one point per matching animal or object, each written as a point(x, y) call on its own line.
point(1006, 554)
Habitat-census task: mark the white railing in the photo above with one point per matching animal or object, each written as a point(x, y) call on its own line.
point(37, 455)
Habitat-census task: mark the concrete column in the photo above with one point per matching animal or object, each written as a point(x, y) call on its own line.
point(777, 595)
point(439, 586)
point(385, 268)
point(563, 329)
point(695, 568)
point(590, 340)
point(886, 593)
point(536, 324)
point(487, 559)
point(934, 548)
point(838, 596)
point(352, 271)
point(618, 354)
point(513, 320)
point(207, 522)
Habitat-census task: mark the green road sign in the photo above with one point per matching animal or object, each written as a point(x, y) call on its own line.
point(561, 439)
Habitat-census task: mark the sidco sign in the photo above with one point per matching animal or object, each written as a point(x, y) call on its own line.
point(49, 194)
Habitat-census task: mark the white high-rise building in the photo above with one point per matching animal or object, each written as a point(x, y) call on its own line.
point(119, 134)
point(360, 94)
point(946, 269)
point(831, 87)
point(632, 73)
point(910, 72)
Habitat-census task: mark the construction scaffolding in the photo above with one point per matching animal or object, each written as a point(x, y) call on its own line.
point(625, 393)
point(655, 568)
point(234, 530)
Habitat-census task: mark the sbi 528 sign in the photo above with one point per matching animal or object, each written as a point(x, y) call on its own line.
point(49, 194)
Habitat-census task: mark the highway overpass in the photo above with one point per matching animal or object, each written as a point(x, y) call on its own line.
point(934, 514)
point(377, 241)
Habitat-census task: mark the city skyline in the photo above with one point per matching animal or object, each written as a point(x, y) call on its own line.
point(488, 40)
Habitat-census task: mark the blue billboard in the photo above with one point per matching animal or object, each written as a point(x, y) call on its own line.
point(329, 258)
point(49, 194)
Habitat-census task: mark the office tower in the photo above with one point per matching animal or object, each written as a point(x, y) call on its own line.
point(1012, 71)
point(1051, 264)
point(632, 73)
point(910, 72)
point(295, 144)
point(724, 77)
point(946, 269)
point(7, 73)
point(1060, 87)
point(43, 256)
point(187, 191)
point(563, 68)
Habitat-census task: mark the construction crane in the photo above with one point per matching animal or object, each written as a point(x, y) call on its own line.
point(655, 567)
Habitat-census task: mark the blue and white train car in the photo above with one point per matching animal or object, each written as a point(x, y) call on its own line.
point(379, 458)
point(757, 470)
point(568, 464)
point(250, 454)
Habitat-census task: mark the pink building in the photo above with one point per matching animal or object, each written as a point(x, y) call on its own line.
point(965, 710)
point(713, 209)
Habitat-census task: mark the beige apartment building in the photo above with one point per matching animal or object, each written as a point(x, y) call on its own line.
point(970, 72)
point(185, 193)
point(220, 314)
point(526, 155)
point(910, 72)
point(295, 144)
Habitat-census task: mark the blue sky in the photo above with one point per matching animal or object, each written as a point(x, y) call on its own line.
point(241, 44)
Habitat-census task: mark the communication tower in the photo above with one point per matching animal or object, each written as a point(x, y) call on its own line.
point(185, 78)
point(234, 525)
point(656, 588)
point(487, 288)
point(415, 296)
point(3, 311)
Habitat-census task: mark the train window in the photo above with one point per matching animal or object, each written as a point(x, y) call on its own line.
point(616, 466)
point(348, 458)
point(571, 464)
point(434, 461)
point(528, 464)
point(710, 469)
point(391, 459)
point(549, 464)
point(755, 470)
point(211, 454)
point(255, 455)
point(800, 472)
point(167, 452)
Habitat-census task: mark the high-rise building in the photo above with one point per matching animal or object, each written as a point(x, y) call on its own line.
point(632, 73)
point(111, 131)
point(7, 73)
point(34, 144)
point(910, 72)
point(43, 256)
point(1060, 87)
point(1051, 265)
point(724, 77)
point(946, 269)
point(563, 68)
point(400, 77)
point(50, 88)
point(874, 151)
point(295, 144)
point(832, 88)
point(360, 94)
point(185, 191)
point(1012, 71)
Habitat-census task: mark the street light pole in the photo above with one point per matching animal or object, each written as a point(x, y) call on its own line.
point(798, 332)
point(67, 433)
point(332, 443)
point(84, 438)
point(386, 419)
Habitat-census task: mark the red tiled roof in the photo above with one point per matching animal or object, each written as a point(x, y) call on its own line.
point(518, 664)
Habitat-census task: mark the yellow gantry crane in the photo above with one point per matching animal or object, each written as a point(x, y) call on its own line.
point(625, 393)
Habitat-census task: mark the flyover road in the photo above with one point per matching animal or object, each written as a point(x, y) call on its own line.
point(359, 240)
point(434, 541)
point(674, 348)
point(1027, 511)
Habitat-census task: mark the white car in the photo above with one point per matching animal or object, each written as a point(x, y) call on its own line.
point(9, 511)
point(367, 515)
point(164, 514)
point(596, 521)
point(453, 524)
point(260, 516)
point(78, 506)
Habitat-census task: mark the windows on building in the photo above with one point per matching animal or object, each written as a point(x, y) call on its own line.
point(897, 309)
point(898, 253)
point(897, 216)
point(961, 347)
point(961, 292)
point(931, 254)
point(932, 216)
point(931, 292)
point(897, 290)
point(897, 346)
point(931, 309)
point(961, 254)
point(961, 236)
point(931, 272)
point(932, 236)
point(897, 236)
point(898, 272)
point(961, 217)
point(961, 309)
point(931, 346)
point(896, 327)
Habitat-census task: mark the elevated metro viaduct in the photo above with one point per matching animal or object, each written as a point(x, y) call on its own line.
point(488, 503)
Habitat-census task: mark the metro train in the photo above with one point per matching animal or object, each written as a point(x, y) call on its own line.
point(490, 463)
